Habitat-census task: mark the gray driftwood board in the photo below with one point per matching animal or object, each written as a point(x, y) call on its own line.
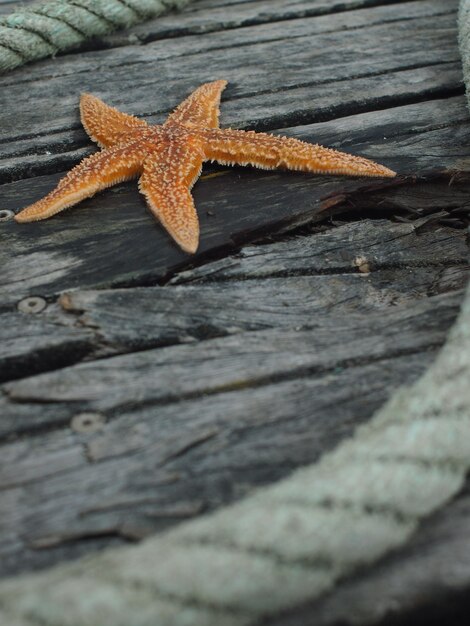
point(142, 387)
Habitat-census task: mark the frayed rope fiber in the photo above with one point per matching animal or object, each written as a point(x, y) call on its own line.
point(43, 29)
point(289, 543)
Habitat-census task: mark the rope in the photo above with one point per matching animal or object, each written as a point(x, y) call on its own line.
point(286, 544)
point(289, 543)
point(45, 29)
point(464, 42)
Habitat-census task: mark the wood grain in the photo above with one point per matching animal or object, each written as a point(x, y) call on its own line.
point(235, 207)
point(311, 345)
point(151, 386)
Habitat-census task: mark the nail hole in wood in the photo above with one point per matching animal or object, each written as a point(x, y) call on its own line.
point(32, 304)
point(5, 215)
point(87, 422)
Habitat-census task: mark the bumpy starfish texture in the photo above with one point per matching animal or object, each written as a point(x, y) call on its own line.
point(169, 159)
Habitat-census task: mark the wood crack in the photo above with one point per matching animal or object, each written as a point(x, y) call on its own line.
point(253, 383)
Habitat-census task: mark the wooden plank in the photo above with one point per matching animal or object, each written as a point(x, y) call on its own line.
point(273, 31)
point(27, 157)
point(62, 253)
point(203, 312)
point(267, 20)
point(375, 244)
point(226, 15)
point(212, 419)
point(66, 493)
point(265, 67)
point(354, 268)
point(405, 265)
point(213, 15)
point(29, 341)
point(246, 360)
point(24, 420)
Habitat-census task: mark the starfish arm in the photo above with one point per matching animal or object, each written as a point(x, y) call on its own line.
point(104, 124)
point(98, 171)
point(231, 147)
point(166, 183)
point(201, 108)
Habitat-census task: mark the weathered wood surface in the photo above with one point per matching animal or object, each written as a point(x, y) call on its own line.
point(151, 386)
point(356, 267)
point(365, 309)
point(260, 93)
point(67, 249)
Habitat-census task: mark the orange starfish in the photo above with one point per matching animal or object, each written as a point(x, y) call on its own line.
point(169, 158)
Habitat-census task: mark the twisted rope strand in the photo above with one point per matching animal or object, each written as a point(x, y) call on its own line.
point(43, 30)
